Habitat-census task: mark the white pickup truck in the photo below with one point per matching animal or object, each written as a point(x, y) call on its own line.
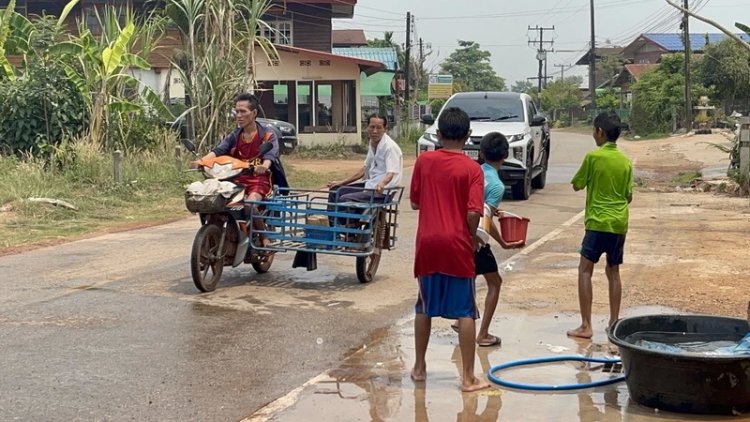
point(515, 116)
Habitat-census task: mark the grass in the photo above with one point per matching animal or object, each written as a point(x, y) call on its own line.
point(151, 191)
point(686, 177)
point(330, 152)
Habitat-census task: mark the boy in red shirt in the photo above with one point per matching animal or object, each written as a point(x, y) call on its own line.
point(448, 190)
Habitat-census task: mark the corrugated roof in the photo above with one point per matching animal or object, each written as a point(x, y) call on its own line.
point(348, 37)
point(637, 69)
point(673, 42)
point(387, 56)
point(367, 65)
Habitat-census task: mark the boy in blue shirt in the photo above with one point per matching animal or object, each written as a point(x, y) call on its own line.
point(493, 150)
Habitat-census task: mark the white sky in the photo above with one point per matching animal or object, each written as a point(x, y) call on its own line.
point(501, 26)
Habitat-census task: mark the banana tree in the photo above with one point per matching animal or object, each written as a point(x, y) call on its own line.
point(103, 63)
point(4, 35)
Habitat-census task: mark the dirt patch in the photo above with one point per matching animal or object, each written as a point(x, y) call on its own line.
point(685, 250)
point(659, 162)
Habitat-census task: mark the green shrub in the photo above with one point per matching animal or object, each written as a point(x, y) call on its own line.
point(39, 110)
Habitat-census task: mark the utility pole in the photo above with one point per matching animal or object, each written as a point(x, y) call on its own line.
point(407, 59)
point(744, 141)
point(688, 83)
point(562, 70)
point(421, 63)
point(541, 55)
point(592, 59)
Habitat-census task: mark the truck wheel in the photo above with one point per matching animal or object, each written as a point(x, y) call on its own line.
point(522, 189)
point(541, 179)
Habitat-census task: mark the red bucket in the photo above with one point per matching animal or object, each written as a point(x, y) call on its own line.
point(513, 228)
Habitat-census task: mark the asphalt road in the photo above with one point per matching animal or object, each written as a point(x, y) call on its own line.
point(112, 328)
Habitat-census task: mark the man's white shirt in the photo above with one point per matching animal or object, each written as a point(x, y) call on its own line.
point(386, 159)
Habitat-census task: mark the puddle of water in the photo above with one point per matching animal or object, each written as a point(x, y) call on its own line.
point(374, 385)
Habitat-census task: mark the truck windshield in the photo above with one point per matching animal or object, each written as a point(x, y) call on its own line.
point(490, 109)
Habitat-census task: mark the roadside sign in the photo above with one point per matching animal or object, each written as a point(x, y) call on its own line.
point(440, 87)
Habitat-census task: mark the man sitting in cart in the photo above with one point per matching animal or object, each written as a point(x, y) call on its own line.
point(244, 143)
point(382, 169)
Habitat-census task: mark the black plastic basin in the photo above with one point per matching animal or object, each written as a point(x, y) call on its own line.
point(685, 383)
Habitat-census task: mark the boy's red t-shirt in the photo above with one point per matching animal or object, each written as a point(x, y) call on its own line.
point(446, 185)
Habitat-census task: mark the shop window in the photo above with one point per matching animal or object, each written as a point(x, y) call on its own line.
point(324, 98)
point(305, 106)
point(281, 101)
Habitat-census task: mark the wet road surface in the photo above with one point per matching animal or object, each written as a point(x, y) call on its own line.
point(374, 384)
point(112, 327)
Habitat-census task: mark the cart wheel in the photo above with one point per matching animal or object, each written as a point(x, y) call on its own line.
point(262, 266)
point(367, 266)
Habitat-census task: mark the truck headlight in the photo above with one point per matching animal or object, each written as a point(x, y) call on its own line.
point(518, 153)
point(430, 137)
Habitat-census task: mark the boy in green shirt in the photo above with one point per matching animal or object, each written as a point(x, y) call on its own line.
point(607, 176)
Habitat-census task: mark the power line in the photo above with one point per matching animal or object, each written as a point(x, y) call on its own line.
point(541, 55)
point(536, 12)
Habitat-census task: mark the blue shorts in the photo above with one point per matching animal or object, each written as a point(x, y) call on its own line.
point(596, 243)
point(445, 296)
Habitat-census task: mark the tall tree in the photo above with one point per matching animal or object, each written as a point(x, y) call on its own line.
point(607, 69)
point(471, 69)
point(562, 95)
point(726, 67)
point(659, 95)
point(522, 86)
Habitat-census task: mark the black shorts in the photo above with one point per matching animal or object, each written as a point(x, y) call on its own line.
point(596, 243)
point(484, 261)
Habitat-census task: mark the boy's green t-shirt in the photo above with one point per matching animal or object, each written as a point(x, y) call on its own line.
point(607, 176)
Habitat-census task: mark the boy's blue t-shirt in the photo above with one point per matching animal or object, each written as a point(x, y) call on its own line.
point(494, 188)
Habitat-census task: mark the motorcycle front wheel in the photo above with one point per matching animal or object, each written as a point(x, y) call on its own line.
point(206, 260)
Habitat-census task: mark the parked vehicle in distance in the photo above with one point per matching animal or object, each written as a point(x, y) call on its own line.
point(514, 115)
point(286, 131)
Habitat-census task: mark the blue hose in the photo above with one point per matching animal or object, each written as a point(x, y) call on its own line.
point(543, 387)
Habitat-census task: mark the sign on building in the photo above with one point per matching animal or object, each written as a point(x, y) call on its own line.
point(440, 87)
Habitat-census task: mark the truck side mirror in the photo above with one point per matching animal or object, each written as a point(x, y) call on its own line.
point(538, 120)
point(427, 119)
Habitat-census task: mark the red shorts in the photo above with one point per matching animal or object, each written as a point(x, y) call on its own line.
point(256, 184)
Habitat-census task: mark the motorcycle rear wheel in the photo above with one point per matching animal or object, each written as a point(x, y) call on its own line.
point(206, 261)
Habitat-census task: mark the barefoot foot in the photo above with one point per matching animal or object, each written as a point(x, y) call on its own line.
point(418, 374)
point(473, 384)
point(582, 332)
